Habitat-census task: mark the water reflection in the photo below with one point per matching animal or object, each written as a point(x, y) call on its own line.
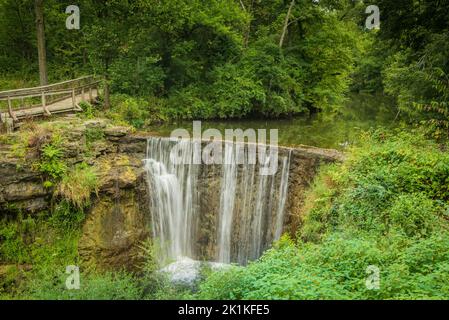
point(361, 112)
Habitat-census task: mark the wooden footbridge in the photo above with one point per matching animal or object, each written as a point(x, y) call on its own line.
point(19, 105)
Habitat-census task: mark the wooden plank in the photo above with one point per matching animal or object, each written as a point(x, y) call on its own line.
point(41, 88)
point(62, 105)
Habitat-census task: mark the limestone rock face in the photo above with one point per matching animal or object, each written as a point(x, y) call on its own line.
point(119, 219)
point(21, 187)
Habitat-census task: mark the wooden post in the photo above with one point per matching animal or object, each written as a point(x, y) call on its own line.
point(82, 93)
point(11, 113)
point(73, 99)
point(44, 105)
point(90, 94)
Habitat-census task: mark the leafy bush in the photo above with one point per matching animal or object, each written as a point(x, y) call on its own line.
point(336, 268)
point(419, 81)
point(88, 110)
point(137, 112)
point(394, 181)
point(93, 134)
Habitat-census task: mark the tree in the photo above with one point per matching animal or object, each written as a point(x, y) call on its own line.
point(40, 33)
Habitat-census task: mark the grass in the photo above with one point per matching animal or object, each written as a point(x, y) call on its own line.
point(78, 185)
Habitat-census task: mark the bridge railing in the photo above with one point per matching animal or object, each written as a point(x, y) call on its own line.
point(12, 101)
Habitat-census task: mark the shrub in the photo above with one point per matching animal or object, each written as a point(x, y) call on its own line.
point(88, 110)
point(93, 134)
point(336, 268)
point(136, 112)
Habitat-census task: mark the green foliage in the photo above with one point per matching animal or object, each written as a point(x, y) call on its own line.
point(198, 59)
point(47, 243)
point(394, 182)
point(136, 112)
point(88, 110)
point(78, 185)
point(415, 70)
point(279, 274)
point(93, 134)
point(133, 111)
point(50, 162)
point(13, 240)
point(101, 286)
point(66, 216)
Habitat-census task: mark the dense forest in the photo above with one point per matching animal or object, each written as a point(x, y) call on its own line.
point(225, 59)
point(386, 204)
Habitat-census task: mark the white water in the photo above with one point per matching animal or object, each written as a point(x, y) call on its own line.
point(186, 271)
point(227, 200)
point(249, 214)
point(173, 197)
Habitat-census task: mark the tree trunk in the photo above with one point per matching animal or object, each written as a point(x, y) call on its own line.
point(284, 29)
point(247, 31)
point(106, 92)
point(107, 99)
point(40, 31)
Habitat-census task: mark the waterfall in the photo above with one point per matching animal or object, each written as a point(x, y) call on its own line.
point(282, 196)
point(227, 201)
point(243, 213)
point(173, 198)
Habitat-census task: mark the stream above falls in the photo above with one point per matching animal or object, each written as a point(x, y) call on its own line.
point(361, 112)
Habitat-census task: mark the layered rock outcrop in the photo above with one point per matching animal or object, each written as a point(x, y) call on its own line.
point(119, 217)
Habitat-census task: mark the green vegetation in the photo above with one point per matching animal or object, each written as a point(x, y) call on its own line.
point(408, 61)
point(36, 251)
point(50, 162)
point(78, 185)
point(36, 248)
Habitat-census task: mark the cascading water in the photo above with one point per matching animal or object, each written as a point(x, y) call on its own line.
point(245, 217)
point(173, 198)
point(227, 201)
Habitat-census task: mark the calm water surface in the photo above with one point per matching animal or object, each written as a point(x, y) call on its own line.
point(362, 112)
